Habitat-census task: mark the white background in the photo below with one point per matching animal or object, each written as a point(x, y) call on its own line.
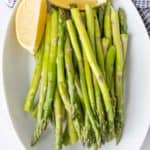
point(8, 139)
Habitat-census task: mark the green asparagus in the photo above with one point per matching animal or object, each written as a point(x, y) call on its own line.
point(79, 73)
point(119, 119)
point(28, 104)
point(100, 60)
point(52, 74)
point(105, 45)
point(99, 47)
point(109, 65)
point(94, 66)
point(88, 74)
point(34, 111)
point(110, 71)
point(71, 130)
point(123, 30)
point(122, 21)
point(59, 115)
point(76, 111)
point(45, 110)
point(76, 48)
point(107, 21)
point(62, 85)
point(101, 13)
point(39, 129)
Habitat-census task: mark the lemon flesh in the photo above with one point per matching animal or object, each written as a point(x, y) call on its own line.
point(30, 23)
point(80, 3)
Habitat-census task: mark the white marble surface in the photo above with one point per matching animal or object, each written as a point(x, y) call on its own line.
point(8, 139)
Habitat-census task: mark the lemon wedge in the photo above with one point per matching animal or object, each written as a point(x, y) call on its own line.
point(30, 23)
point(80, 3)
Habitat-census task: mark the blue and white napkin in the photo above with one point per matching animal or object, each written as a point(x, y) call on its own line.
point(144, 9)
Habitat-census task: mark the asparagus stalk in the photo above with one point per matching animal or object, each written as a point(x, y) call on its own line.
point(122, 21)
point(52, 74)
point(34, 111)
point(79, 95)
point(124, 40)
point(90, 24)
point(119, 123)
point(71, 130)
point(107, 21)
point(78, 89)
point(73, 107)
point(76, 48)
point(76, 113)
point(28, 104)
point(62, 86)
point(66, 138)
point(38, 130)
point(101, 13)
point(90, 86)
point(113, 95)
point(90, 15)
point(110, 71)
point(123, 30)
point(105, 45)
point(99, 48)
point(95, 68)
point(99, 101)
point(58, 109)
point(109, 65)
point(88, 74)
point(89, 139)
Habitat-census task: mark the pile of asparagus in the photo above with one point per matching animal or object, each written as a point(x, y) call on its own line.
point(79, 72)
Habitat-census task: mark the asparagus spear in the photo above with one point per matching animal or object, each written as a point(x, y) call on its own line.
point(110, 71)
point(52, 73)
point(109, 65)
point(49, 78)
point(123, 30)
point(87, 129)
point(107, 21)
point(58, 109)
point(28, 104)
point(88, 138)
point(90, 15)
point(90, 24)
point(76, 48)
point(124, 41)
point(119, 123)
point(90, 86)
point(71, 130)
point(78, 89)
point(39, 129)
point(101, 12)
point(99, 48)
point(62, 86)
point(88, 74)
point(122, 21)
point(76, 112)
point(95, 68)
point(100, 59)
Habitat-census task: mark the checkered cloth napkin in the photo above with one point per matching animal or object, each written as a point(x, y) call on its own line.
point(142, 5)
point(144, 8)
